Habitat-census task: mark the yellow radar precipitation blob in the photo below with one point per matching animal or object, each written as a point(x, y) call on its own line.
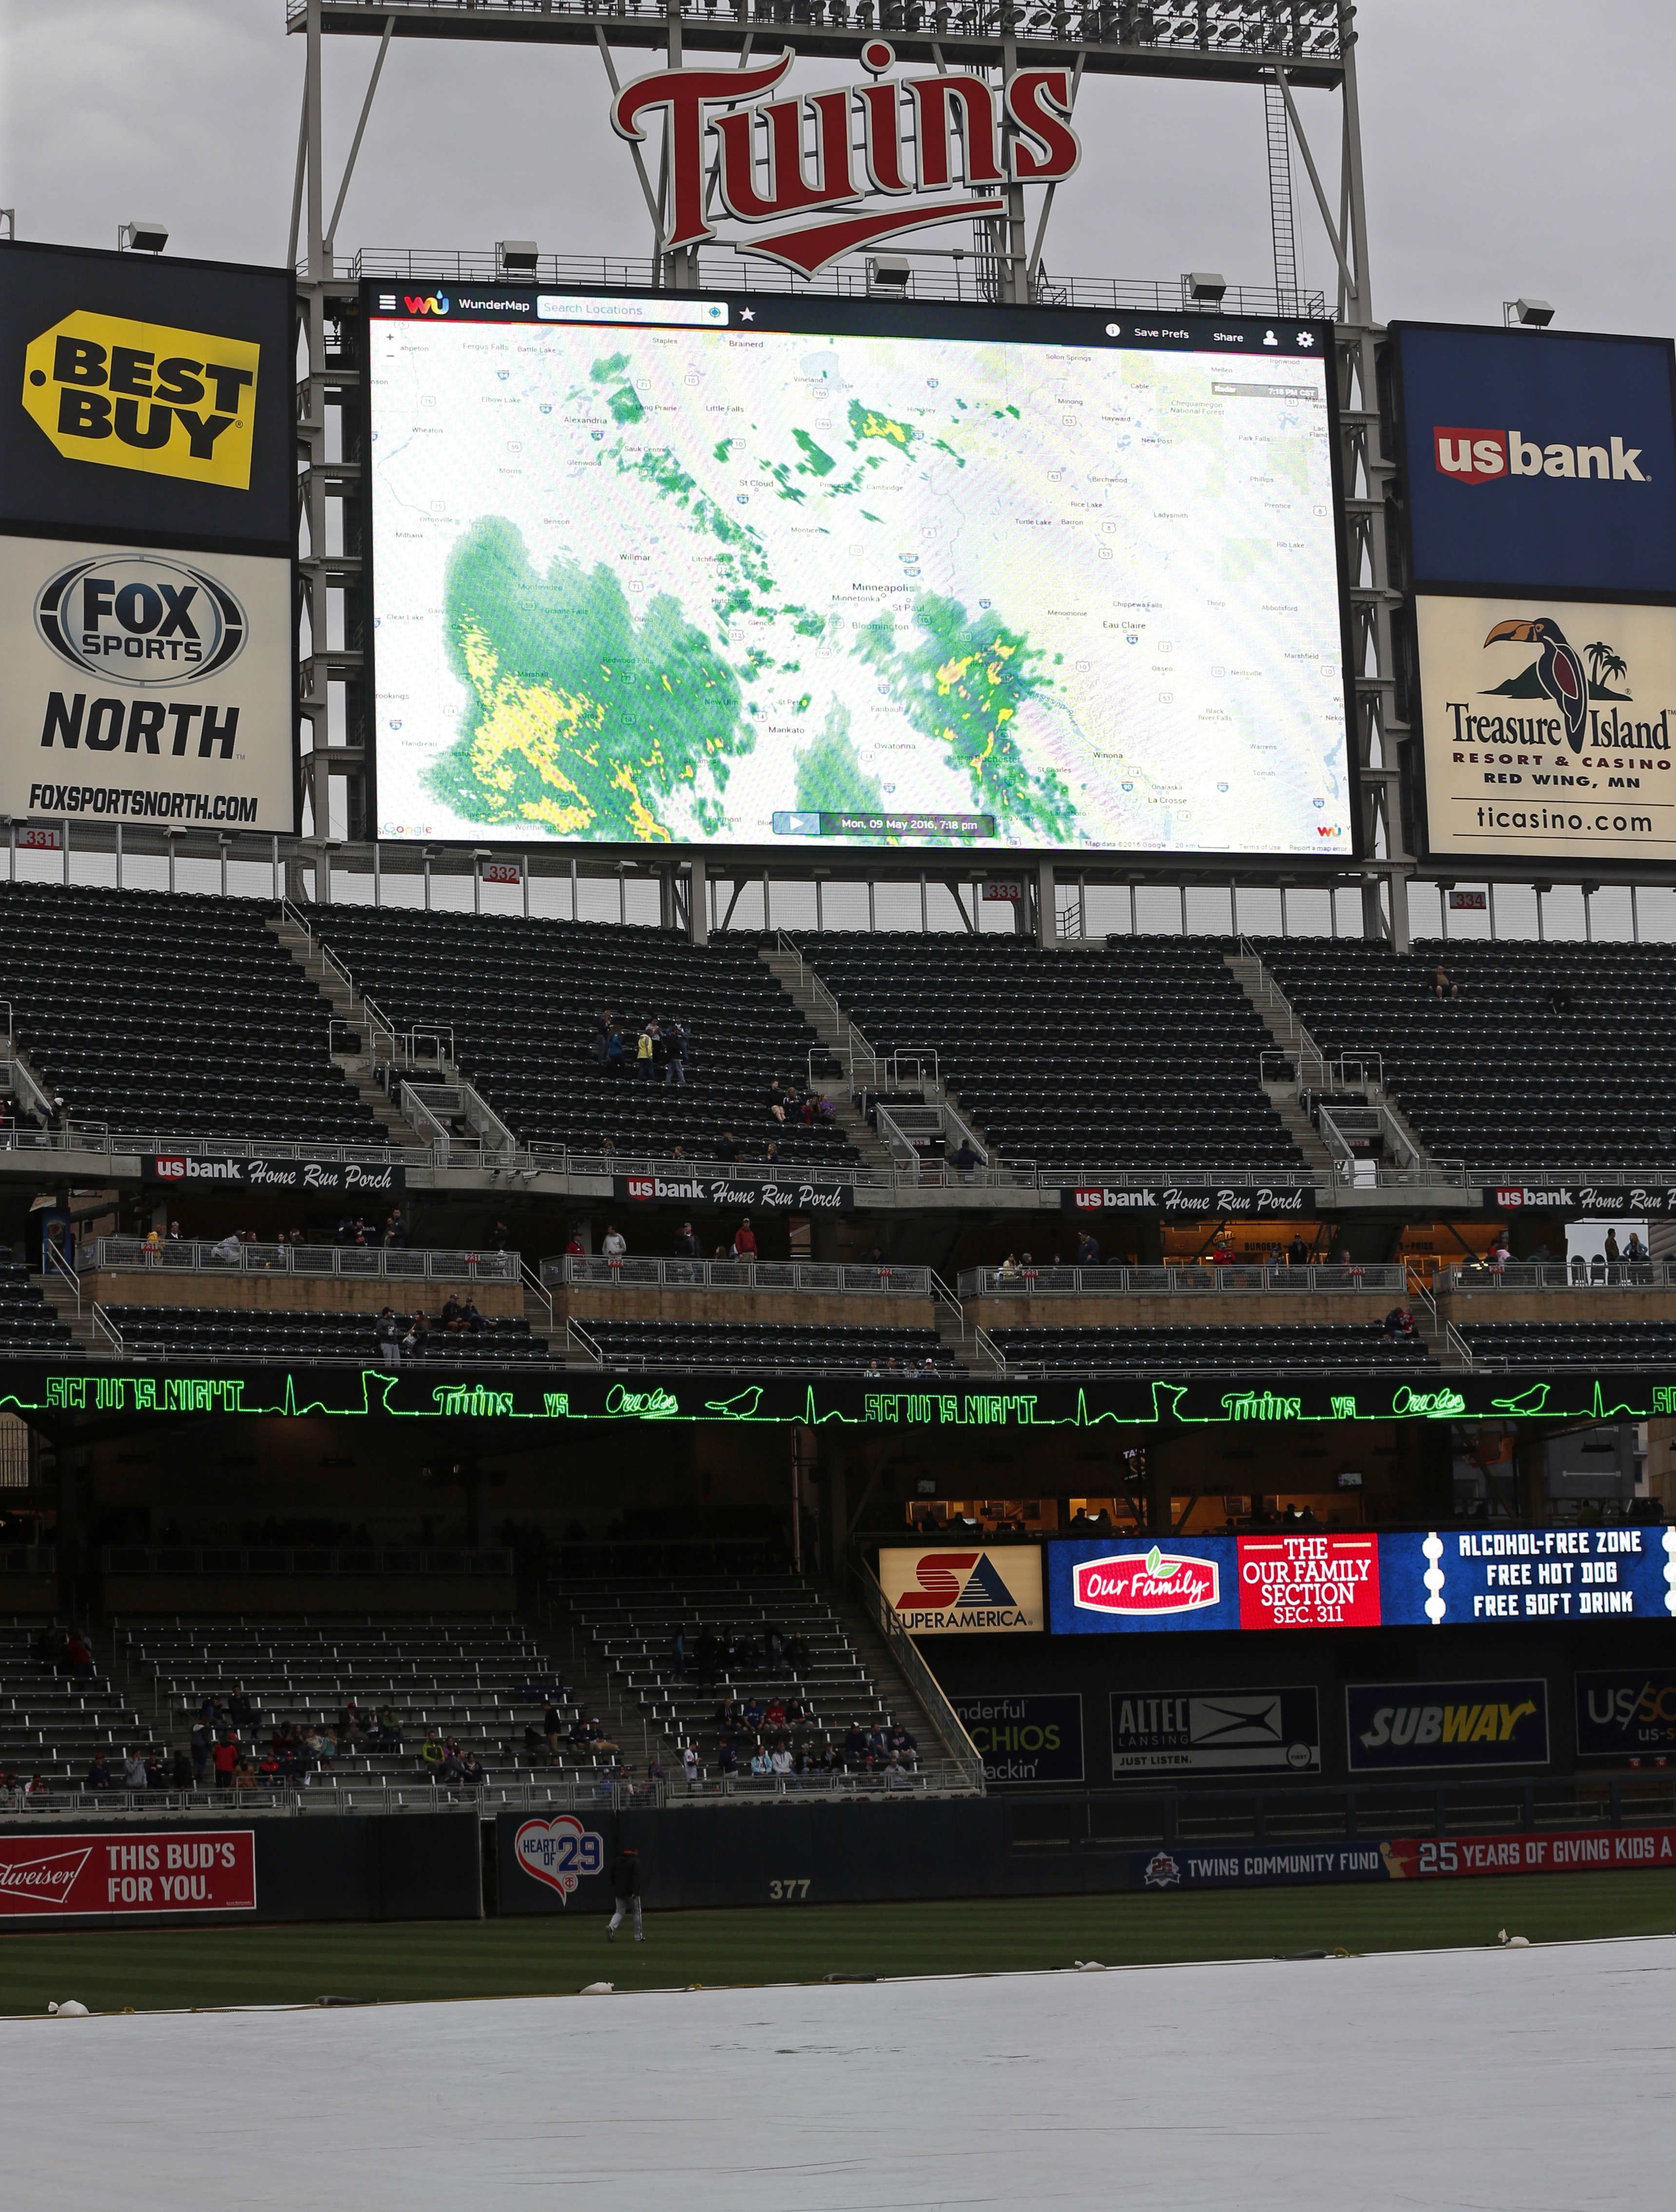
point(579, 720)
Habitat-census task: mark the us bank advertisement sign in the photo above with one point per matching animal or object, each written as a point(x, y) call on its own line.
point(1538, 460)
point(1026, 1738)
point(146, 685)
point(1403, 1727)
point(1545, 726)
point(956, 1591)
point(147, 400)
point(1626, 1713)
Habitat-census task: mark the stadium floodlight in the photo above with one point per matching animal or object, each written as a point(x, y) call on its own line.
point(517, 256)
point(1529, 314)
point(141, 236)
point(1205, 288)
point(887, 274)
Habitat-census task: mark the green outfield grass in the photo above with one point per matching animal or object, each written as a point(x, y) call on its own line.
point(431, 1960)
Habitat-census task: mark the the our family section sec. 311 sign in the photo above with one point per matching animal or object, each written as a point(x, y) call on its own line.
point(1361, 1580)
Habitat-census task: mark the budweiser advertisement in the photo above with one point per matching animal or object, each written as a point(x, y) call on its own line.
point(1361, 1580)
point(64, 1877)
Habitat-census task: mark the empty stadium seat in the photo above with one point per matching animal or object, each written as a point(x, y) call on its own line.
point(522, 998)
point(211, 1332)
point(1145, 1056)
point(1271, 1345)
point(1505, 1076)
point(173, 1016)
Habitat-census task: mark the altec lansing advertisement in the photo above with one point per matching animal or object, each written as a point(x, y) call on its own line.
point(1148, 1586)
point(1540, 500)
point(146, 539)
point(951, 1591)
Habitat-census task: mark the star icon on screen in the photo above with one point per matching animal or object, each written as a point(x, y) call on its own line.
point(747, 314)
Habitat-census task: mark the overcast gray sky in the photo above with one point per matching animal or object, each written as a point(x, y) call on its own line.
point(1512, 146)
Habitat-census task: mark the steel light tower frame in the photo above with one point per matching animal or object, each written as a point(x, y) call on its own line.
point(1277, 47)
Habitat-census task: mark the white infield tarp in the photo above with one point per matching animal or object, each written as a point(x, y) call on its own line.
point(1501, 2080)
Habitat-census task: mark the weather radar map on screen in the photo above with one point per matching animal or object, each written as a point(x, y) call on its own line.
point(707, 580)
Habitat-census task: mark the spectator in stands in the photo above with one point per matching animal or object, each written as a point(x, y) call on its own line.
point(174, 1232)
point(201, 1746)
point(689, 1762)
point(351, 1725)
point(432, 1754)
point(686, 1242)
point(391, 1737)
point(645, 1053)
point(744, 1240)
point(728, 1149)
point(156, 1769)
point(1612, 1255)
point(896, 1776)
point(388, 1331)
point(471, 1774)
point(226, 1757)
point(675, 1067)
point(761, 1765)
point(226, 1252)
point(322, 1746)
point(1559, 998)
point(1009, 1270)
point(1398, 1322)
point(471, 1321)
point(395, 1229)
point(1500, 1252)
point(614, 1051)
point(602, 1030)
point(1442, 986)
point(614, 1244)
point(183, 1773)
point(575, 1249)
point(727, 1760)
point(418, 1331)
point(900, 1742)
point(1297, 1253)
point(795, 1651)
point(963, 1157)
point(776, 1100)
point(78, 1659)
point(99, 1776)
point(449, 1316)
point(552, 1727)
point(1222, 1254)
point(242, 1710)
point(1088, 1250)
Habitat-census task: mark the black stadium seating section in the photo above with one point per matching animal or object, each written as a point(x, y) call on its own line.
point(177, 1016)
point(1538, 1344)
point(1145, 1055)
point(205, 1333)
point(1273, 1348)
point(736, 1344)
point(1508, 1074)
point(27, 1323)
point(523, 997)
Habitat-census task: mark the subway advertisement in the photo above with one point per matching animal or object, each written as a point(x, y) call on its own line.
point(1145, 1585)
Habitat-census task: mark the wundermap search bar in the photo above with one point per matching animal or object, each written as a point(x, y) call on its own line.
point(565, 307)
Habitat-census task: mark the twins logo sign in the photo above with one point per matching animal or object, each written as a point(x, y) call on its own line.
point(559, 1852)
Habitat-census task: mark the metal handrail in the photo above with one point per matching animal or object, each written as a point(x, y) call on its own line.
point(920, 1680)
point(299, 1559)
point(805, 1277)
point(1178, 1280)
point(392, 1263)
point(1579, 1274)
point(54, 1263)
point(575, 1336)
point(105, 1326)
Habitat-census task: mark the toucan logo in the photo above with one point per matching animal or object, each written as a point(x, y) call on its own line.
point(1558, 673)
point(127, 395)
point(1482, 457)
point(428, 303)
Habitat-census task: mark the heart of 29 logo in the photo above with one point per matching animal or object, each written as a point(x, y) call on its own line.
point(559, 1852)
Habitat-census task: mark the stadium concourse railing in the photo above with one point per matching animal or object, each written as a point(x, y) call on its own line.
point(925, 1685)
point(357, 1262)
point(249, 1559)
point(1180, 1280)
point(799, 1275)
point(1579, 1274)
point(569, 1792)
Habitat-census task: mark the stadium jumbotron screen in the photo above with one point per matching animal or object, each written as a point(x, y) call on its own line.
point(786, 572)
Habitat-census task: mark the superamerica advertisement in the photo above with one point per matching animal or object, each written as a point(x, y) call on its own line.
point(1360, 1580)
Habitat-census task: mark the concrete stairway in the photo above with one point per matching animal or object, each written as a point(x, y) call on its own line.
point(1284, 1027)
point(329, 980)
point(61, 1296)
point(858, 1130)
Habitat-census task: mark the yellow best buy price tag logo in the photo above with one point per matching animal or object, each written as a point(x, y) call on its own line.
point(140, 396)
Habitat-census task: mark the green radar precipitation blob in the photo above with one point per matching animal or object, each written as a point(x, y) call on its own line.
point(580, 721)
point(961, 684)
